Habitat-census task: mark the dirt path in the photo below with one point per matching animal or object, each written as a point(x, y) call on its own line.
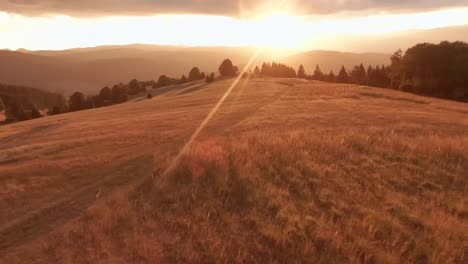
point(49, 216)
point(11, 140)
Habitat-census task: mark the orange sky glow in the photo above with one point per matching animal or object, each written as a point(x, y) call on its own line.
point(269, 28)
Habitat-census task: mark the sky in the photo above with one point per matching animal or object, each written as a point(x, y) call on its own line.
point(293, 24)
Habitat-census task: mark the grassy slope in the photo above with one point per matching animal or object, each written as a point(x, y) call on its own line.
point(287, 171)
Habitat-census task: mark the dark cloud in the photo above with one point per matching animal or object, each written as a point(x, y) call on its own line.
point(215, 7)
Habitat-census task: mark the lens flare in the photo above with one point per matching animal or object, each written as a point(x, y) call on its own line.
point(186, 148)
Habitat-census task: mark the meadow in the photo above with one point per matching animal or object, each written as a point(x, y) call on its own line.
point(287, 171)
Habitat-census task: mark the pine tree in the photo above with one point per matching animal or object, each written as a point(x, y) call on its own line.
point(257, 72)
point(358, 75)
point(184, 79)
point(301, 72)
point(370, 76)
point(331, 77)
point(265, 70)
point(343, 76)
point(318, 74)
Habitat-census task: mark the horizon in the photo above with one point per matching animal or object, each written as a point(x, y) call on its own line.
point(311, 49)
point(292, 51)
point(51, 25)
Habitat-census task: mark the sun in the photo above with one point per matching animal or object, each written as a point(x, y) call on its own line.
point(279, 30)
point(272, 23)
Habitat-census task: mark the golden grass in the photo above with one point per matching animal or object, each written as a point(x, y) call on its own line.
point(300, 173)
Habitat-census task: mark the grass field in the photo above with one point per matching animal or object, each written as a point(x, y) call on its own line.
point(287, 171)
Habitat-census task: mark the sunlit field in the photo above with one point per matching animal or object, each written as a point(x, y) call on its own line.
point(287, 171)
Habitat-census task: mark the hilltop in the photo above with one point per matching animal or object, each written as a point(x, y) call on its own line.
point(287, 170)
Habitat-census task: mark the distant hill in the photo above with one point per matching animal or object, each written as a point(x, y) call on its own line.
point(89, 69)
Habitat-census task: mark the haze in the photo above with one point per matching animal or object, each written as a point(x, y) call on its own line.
point(56, 25)
point(233, 131)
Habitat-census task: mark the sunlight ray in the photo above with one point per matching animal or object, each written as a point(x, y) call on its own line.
point(187, 147)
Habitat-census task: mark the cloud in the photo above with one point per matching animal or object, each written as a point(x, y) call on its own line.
point(87, 8)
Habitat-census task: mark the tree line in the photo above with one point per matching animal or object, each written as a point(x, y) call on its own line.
point(377, 76)
point(437, 70)
point(274, 69)
point(120, 93)
point(23, 103)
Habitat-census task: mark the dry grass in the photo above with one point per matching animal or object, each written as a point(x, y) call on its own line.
point(305, 172)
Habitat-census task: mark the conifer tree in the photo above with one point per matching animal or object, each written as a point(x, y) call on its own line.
point(301, 72)
point(318, 74)
point(343, 76)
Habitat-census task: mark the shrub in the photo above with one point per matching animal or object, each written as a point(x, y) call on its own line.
point(77, 102)
point(210, 78)
point(194, 74)
point(227, 69)
point(134, 87)
point(123, 98)
point(163, 81)
point(117, 93)
point(406, 87)
point(35, 113)
point(15, 113)
point(56, 110)
point(105, 94)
